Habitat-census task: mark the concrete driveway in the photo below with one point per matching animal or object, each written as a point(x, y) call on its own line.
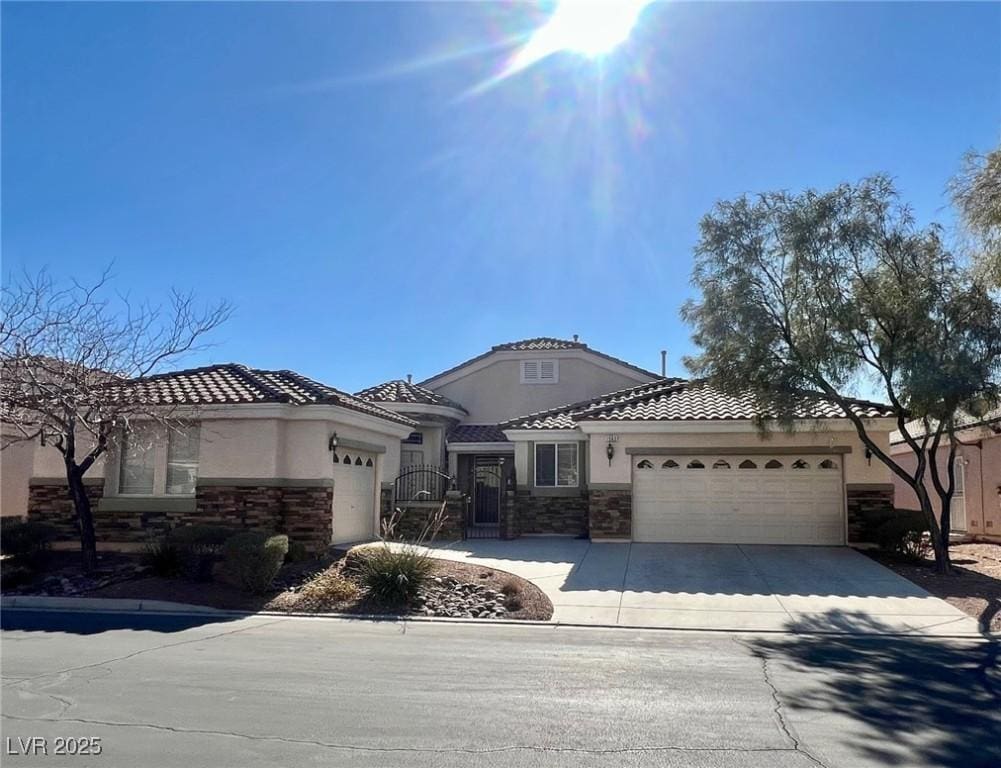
point(718, 586)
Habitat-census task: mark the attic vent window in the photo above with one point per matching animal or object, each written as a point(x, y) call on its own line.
point(540, 371)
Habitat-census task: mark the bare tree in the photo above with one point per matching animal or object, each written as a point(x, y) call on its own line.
point(73, 368)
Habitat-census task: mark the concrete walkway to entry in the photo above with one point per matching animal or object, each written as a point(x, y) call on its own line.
point(718, 586)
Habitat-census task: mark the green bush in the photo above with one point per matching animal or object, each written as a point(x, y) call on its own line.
point(297, 552)
point(251, 560)
point(27, 540)
point(394, 577)
point(164, 557)
point(904, 534)
point(201, 547)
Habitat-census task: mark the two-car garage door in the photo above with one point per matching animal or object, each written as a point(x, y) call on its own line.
point(739, 499)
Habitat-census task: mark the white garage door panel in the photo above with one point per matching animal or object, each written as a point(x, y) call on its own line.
point(786, 505)
point(354, 498)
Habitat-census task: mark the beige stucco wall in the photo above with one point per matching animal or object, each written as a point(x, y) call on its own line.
point(433, 445)
point(49, 462)
point(16, 462)
point(983, 481)
point(857, 469)
point(495, 393)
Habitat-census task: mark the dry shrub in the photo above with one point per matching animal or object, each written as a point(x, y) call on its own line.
point(327, 589)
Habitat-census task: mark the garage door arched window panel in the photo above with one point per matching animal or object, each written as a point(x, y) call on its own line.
point(747, 464)
point(358, 462)
point(346, 459)
point(774, 464)
point(669, 464)
point(369, 463)
point(828, 464)
point(644, 465)
point(721, 464)
point(800, 464)
point(695, 464)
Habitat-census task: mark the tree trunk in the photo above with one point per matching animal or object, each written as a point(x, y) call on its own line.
point(81, 502)
point(939, 540)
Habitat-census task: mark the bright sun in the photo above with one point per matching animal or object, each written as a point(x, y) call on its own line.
point(590, 28)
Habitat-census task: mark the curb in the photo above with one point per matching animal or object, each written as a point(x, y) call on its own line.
point(165, 608)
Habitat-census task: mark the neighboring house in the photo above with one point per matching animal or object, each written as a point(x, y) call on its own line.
point(612, 451)
point(976, 505)
point(263, 449)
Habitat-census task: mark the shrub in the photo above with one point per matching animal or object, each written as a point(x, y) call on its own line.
point(27, 540)
point(327, 588)
point(200, 546)
point(251, 560)
point(164, 557)
point(513, 603)
point(904, 534)
point(510, 587)
point(296, 552)
point(394, 577)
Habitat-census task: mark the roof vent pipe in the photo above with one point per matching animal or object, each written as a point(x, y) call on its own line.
point(410, 378)
point(575, 337)
point(663, 362)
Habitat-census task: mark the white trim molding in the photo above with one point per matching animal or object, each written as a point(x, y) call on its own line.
point(479, 447)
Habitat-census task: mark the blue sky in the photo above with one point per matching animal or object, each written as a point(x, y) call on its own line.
point(332, 170)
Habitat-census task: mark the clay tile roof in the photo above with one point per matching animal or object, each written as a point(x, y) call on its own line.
point(476, 433)
point(671, 400)
point(541, 344)
point(401, 391)
point(234, 384)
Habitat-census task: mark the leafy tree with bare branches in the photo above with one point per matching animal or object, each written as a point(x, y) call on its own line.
point(73, 361)
point(829, 295)
point(976, 192)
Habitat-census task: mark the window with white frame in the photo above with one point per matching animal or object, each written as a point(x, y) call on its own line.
point(556, 465)
point(540, 371)
point(154, 461)
point(182, 461)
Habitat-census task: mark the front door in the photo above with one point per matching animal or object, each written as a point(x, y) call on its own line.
point(486, 490)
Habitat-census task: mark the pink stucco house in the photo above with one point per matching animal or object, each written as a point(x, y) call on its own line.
point(976, 509)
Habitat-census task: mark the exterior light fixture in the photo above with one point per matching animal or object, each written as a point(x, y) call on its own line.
point(332, 443)
point(868, 457)
point(610, 453)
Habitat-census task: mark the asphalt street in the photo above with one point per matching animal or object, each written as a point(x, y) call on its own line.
point(203, 691)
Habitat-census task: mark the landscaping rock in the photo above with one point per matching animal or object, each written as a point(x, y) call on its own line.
point(446, 596)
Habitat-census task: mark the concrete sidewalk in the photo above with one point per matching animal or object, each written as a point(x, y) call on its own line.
point(718, 587)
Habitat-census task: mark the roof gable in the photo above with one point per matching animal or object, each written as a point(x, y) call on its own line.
point(539, 344)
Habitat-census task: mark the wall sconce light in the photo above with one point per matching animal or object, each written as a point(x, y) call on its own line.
point(332, 443)
point(610, 453)
point(868, 457)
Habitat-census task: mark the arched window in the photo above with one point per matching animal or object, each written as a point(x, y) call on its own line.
point(722, 464)
point(695, 464)
point(336, 459)
point(346, 459)
point(800, 464)
point(644, 465)
point(773, 464)
point(358, 461)
point(828, 464)
point(669, 464)
point(747, 464)
point(369, 463)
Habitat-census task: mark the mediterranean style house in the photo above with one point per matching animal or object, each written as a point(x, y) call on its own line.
point(976, 504)
point(540, 436)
